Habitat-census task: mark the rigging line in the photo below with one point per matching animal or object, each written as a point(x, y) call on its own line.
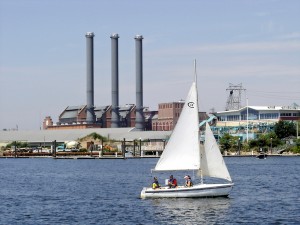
point(268, 97)
point(195, 71)
point(292, 99)
point(274, 96)
point(286, 92)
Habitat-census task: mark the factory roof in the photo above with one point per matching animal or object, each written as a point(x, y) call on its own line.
point(71, 112)
point(74, 134)
point(99, 111)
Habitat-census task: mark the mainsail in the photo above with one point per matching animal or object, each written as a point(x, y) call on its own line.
point(182, 150)
point(212, 162)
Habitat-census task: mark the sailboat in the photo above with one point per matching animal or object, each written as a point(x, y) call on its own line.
point(183, 152)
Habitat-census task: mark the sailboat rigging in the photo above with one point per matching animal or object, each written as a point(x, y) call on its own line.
point(184, 153)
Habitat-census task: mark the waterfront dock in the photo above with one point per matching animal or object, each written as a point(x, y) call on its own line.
point(126, 157)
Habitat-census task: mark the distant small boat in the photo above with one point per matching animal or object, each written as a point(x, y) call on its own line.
point(262, 155)
point(128, 154)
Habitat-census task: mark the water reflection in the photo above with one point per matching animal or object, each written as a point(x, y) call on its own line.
point(190, 210)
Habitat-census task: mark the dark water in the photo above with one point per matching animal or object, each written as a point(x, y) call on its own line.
point(47, 191)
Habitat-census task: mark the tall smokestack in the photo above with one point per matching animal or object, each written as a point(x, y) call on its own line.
point(139, 118)
point(90, 114)
point(114, 81)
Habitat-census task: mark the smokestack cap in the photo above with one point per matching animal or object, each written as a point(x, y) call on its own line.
point(138, 36)
point(90, 34)
point(115, 35)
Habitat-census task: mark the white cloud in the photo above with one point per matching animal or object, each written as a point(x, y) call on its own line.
point(262, 14)
point(290, 36)
point(238, 48)
point(252, 47)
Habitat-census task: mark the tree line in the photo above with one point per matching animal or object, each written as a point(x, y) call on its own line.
point(283, 132)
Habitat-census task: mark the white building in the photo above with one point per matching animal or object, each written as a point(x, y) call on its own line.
point(258, 114)
point(261, 119)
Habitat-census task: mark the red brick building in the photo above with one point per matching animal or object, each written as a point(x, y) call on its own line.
point(168, 114)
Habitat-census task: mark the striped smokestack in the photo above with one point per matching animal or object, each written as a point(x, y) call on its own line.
point(139, 118)
point(114, 81)
point(90, 114)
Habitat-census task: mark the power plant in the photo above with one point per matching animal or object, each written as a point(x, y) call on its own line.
point(115, 118)
point(90, 107)
point(90, 115)
point(139, 117)
point(114, 115)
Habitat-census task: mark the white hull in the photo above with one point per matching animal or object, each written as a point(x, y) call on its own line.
point(197, 191)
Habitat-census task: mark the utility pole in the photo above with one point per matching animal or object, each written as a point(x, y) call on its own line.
point(234, 98)
point(297, 129)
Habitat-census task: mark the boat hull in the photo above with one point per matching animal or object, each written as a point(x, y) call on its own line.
point(197, 191)
point(262, 156)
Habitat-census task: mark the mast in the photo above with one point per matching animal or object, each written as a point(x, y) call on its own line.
point(199, 146)
point(195, 80)
point(201, 175)
point(247, 121)
point(195, 70)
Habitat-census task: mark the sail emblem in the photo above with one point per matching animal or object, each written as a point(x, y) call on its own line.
point(191, 104)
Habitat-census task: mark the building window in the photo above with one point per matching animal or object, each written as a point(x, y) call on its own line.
point(159, 127)
point(233, 118)
point(167, 126)
point(269, 116)
point(285, 114)
point(252, 114)
point(222, 118)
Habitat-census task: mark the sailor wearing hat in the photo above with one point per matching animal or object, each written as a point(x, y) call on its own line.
point(188, 181)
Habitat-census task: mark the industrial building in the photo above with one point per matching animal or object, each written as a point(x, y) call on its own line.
point(114, 115)
point(74, 117)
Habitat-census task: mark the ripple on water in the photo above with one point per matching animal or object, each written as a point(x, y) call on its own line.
point(46, 191)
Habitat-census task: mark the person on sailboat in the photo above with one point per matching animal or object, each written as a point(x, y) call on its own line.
point(188, 181)
point(172, 183)
point(155, 183)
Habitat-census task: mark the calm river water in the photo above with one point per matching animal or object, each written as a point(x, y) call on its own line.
point(48, 191)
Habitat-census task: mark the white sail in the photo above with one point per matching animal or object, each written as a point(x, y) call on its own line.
point(182, 150)
point(212, 162)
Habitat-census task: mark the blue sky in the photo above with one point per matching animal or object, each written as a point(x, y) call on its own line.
point(43, 61)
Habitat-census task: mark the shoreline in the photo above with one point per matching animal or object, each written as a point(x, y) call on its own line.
point(137, 157)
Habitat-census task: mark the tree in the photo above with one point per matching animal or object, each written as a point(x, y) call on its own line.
point(265, 141)
point(228, 142)
point(285, 129)
point(296, 148)
point(94, 136)
point(18, 144)
point(272, 139)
